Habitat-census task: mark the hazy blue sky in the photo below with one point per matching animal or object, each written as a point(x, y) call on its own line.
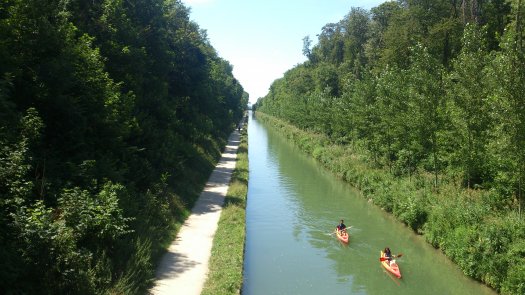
point(263, 38)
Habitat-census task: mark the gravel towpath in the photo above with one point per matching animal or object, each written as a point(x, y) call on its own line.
point(184, 267)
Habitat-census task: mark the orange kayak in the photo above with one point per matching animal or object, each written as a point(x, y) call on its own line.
point(391, 267)
point(343, 238)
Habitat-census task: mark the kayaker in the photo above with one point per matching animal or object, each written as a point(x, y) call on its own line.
point(341, 227)
point(388, 254)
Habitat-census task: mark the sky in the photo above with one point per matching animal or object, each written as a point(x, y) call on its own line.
point(262, 39)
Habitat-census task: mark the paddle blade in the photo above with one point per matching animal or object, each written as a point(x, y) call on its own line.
point(399, 255)
point(382, 259)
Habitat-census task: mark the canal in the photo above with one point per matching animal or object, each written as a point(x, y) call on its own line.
point(293, 207)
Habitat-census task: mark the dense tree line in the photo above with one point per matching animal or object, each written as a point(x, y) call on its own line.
point(112, 114)
point(434, 88)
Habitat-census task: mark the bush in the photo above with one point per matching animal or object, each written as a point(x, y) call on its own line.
point(95, 220)
point(48, 248)
point(514, 282)
point(412, 211)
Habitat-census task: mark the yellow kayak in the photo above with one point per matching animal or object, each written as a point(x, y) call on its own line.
point(391, 266)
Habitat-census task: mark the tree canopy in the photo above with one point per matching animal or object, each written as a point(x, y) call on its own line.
point(112, 114)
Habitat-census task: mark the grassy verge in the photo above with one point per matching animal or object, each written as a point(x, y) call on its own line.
point(487, 242)
point(226, 262)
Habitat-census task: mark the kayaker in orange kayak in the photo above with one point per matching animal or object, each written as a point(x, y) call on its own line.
point(341, 227)
point(341, 232)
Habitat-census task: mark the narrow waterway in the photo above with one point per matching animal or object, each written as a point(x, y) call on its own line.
point(294, 205)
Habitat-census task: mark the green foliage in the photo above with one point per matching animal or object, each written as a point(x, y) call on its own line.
point(112, 115)
point(515, 278)
point(48, 246)
point(95, 219)
point(470, 115)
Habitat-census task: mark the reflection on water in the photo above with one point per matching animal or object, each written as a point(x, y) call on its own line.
point(293, 207)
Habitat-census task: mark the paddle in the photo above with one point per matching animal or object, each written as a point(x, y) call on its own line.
point(395, 256)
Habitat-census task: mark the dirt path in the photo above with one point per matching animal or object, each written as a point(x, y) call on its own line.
point(184, 267)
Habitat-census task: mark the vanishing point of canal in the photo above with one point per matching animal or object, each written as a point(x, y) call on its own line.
point(293, 207)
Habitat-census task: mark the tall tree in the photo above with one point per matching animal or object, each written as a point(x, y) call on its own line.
point(470, 109)
point(509, 67)
point(425, 105)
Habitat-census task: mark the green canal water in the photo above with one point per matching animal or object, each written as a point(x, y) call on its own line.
point(294, 205)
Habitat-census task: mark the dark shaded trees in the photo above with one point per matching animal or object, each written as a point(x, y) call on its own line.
point(112, 113)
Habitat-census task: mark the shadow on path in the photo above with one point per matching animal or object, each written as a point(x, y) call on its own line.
point(184, 266)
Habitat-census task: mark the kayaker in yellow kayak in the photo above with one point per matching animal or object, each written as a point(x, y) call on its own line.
point(387, 260)
point(389, 256)
point(388, 253)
